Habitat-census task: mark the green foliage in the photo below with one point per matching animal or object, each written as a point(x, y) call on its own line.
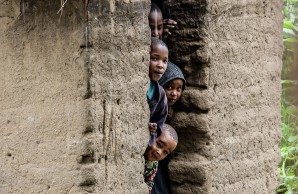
point(290, 32)
point(289, 144)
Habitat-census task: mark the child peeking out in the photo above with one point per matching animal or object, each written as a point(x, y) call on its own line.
point(173, 83)
point(155, 21)
point(159, 26)
point(164, 145)
point(156, 97)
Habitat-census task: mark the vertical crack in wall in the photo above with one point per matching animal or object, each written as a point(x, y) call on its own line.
point(89, 156)
point(116, 75)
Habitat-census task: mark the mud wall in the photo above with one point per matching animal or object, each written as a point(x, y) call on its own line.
point(73, 114)
point(229, 120)
point(73, 96)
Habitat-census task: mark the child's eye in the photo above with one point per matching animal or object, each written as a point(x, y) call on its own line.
point(153, 58)
point(169, 87)
point(165, 61)
point(165, 153)
point(179, 89)
point(158, 145)
point(152, 27)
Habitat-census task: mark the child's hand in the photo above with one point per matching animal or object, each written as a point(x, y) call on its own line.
point(168, 24)
point(152, 128)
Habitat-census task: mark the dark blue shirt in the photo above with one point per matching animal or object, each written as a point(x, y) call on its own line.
point(161, 180)
point(158, 106)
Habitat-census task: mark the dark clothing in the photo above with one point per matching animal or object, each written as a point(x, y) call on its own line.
point(158, 106)
point(161, 180)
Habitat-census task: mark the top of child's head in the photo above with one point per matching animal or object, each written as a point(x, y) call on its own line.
point(172, 72)
point(155, 21)
point(159, 54)
point(164, 144)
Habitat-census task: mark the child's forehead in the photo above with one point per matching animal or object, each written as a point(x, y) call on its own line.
point(155, 15)
point(171, 141)
point(159, 48)
point(166, 137)
point(167, 141)
point(176, 81)
point(155, 10)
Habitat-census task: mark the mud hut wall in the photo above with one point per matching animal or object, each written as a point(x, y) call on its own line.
point(229, 123)
point(72, 118)
point(252, 117)
point(68, 114)
point(118, 80)
point(42, 112)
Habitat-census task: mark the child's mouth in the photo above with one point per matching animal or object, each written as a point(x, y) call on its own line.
point(159, 73)
point(172, 100)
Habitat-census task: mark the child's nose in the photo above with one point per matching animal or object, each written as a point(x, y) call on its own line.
point(159, 152)
point(160, 64)
point(174, 93)
point(155, 33)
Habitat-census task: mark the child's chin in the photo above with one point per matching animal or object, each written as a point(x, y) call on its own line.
point(171, 103)
point(157, 78)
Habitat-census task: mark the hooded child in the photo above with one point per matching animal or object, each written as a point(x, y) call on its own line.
point(173, 82)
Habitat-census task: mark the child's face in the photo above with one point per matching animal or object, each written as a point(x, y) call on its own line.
point(158, 61)
point(156, 23)
point(163, 145)
point(173, 90)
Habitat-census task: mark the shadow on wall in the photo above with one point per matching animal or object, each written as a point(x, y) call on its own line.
point(189, 169)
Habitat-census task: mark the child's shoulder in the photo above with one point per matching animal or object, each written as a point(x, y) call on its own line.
point(159, 91)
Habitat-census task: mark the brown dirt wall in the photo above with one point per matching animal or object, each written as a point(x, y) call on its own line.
point(72, 118)
point(74, 106)
point(229, 117)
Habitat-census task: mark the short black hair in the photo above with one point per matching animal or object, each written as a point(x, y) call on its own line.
point(157, 41)
point(154, 7)
point(163, 6)
point(172, 132)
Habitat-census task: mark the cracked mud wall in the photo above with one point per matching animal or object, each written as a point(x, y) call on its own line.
point(117, 68)
point(229, 123)
point(72, 118)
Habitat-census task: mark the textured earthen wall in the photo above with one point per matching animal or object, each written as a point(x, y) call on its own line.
point(229, 126)
point(73, 113)
point(72, 119)
point(118, 112)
